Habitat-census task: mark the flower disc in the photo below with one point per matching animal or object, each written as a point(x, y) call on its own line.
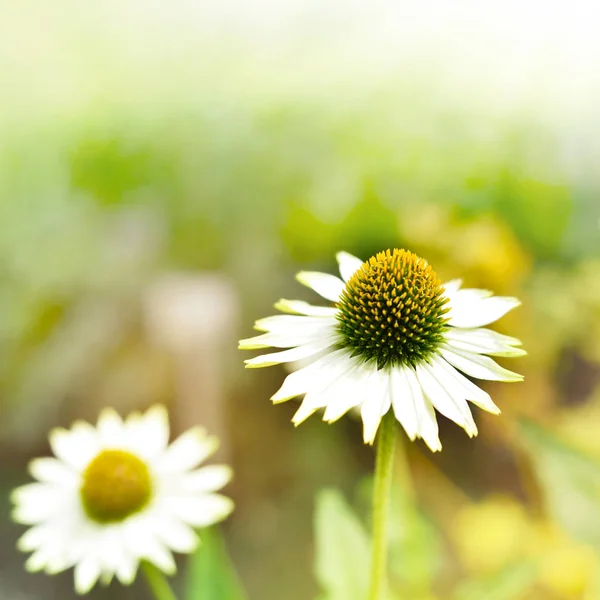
point(392, 310)
point(116, 484)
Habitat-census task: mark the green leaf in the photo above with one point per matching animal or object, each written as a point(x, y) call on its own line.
point(507, 584)
point(342, 549)
point(570, 481)
point(210, 574)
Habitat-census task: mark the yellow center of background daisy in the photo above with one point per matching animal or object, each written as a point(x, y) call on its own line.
point(392, 309)
point(116, 484)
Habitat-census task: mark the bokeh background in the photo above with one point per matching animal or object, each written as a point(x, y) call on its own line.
point(166, 168)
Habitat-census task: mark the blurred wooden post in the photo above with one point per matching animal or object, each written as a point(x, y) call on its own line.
point(194, 317)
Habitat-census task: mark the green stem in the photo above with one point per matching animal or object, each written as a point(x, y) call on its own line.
point(381, 500)
point(157, 582)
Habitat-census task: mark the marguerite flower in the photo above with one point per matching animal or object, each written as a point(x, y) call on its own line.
point(395, 338)
point(117, 494)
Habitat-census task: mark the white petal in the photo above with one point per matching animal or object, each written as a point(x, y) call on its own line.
point(200, 512)
point(471, 308)
point(38, 560)
point(207, 479)
point(304, 308)
point(467, 388)
point(76, 447)
point(187, 451)
point(312, 403)
point(403, 402)
point(375, 405)
point(51, 470)
point(483, 341)
point(175, 534)
point(148, 435)
point(452, 286)
point(451, 406)
point(307, 378)
point(275, 358)
point(475, 365)
point(110, 427)
point(428, 426)
point(346, 393)
point(296, 336)
point(142, 544)
point(328, 286)
point(331, 368)
point(36, 502)
point(348, 264)
point(58, 562)
point(159, 555)
point(35, 537)
point(126, 569)
point(331, 383)
point(86, 574)
point(292, 323)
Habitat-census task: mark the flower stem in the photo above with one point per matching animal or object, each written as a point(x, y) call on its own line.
point(157, 582)
point(381, 499)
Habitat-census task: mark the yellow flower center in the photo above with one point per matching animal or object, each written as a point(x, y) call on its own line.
point(116, 484)
point(392, 310)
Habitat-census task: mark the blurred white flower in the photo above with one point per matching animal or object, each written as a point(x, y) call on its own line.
point(395, 338)
point(117, 494)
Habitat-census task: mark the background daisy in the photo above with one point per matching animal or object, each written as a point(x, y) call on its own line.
point(117, 494)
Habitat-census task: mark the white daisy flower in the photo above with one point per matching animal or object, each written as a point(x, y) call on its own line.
point(396, 337)
point(117, 494)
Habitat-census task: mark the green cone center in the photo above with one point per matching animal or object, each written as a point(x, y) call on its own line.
point(392, 310)
point(116, 485)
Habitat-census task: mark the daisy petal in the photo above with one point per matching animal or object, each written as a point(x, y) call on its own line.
point(305, 379)
point(469, 308)
point(36, 502)
point(87, 573)
point(51, 470)
point(327, 286)
point(452, 286)
point(283, 324)
point(126, 569)
point(348, 264)
point(428, 427)
point(175, 534)
point(375, 406)
point(480, 367)
point(76, 447)
point(110, 428)
point(304, 308)
point(402, 401)
point(305, 334)
point(483, 341)
point(312, 403)
point(444, 400)
point(35, 538)
point(147, 435)
point(332, 368)
point(291, 355)
point(201, 512)
point(143, 544)
point(187, 451)
point(38, 560)
point(207, 479)
point(348, 392)
point(467, 388)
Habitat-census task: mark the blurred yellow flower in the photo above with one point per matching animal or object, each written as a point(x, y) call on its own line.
point(566, 567)
point(489, 535)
